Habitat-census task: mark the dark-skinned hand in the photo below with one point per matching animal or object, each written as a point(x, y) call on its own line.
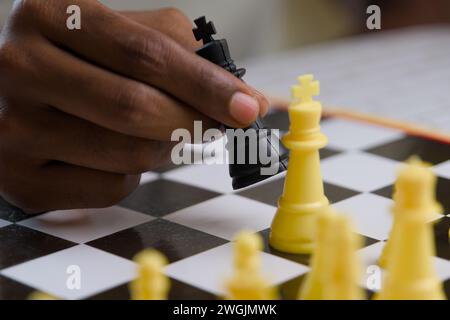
point(84, 112)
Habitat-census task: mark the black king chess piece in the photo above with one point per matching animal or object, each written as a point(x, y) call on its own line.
point(247, 173)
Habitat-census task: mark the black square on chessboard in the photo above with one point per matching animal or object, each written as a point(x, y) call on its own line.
point(19, 244)
point(304, 259)
point(442, 193)
point(428, 150)
point(178, 291)
point(174, 240)
point(13, 290)
point(290, 290)
point(447, 288)
point(280, 120)
point(270, 192)
point(10, 213)
point(277, 120)
point(441, 230)
point(161, 197)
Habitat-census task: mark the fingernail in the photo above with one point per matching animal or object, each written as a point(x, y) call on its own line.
point(244, 108)
point(263, 103)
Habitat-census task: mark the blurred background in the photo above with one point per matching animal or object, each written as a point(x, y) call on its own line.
point(259, 27)
point(401, 72)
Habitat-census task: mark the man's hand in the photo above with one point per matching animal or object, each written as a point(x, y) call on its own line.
point(84, 112)
point(170, 21)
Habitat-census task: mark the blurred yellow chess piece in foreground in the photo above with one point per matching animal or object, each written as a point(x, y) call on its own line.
point(335, 268)
point(38, 295)
point(410, 268)
point(346, 268)
point(400, 199)
point(247, 282)
point(151, 283)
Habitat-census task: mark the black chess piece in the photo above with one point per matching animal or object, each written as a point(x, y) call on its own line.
point(247, 173)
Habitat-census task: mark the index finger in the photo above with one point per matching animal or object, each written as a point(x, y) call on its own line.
point(133, 50)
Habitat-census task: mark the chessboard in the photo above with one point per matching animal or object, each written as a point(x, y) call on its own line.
point(191, 214)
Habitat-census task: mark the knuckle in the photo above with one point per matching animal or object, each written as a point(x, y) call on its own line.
point(149, 50)
point(13, 190)
point(16, 61)
point(144, 157)
point(29, 6)
point(130, 103)
point(8, 59)
point(27, 202)
point(7, 126)
point(120, 188)
point(175, 14)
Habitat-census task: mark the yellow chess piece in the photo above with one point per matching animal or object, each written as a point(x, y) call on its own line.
point(399, 198)
point(38, 295)
point(303, 199)
point(247, 283)
point(410, 269)
point(151, 283)
point(335, 267)
point(343, 282)
point(313, 287)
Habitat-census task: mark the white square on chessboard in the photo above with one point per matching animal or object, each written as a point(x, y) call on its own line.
point(83, 225)
point(213, 177)
point(4, 223)
point(353, 135)
point(210, 269)
point(443, 169)
point(148, 177)
point(210, 173)
point(370, 214)
point(225, 216)
point(98, 272)
point(359, 171)
point(208, 151)
point(370, 255)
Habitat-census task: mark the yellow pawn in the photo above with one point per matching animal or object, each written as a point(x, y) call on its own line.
point(434, 208)
point(38, 295)
point(410, 269)
point(303, 199)
point(151, 283)
point(343, 282)
point(313, 287)
point(247, 283)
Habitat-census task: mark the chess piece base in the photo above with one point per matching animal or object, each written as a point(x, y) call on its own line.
point(293, 228)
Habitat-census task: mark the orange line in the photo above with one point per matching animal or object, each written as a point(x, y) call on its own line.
point(404, 126)
point(409, 128)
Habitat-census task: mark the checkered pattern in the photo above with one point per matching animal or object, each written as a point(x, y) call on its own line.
point(191, 214)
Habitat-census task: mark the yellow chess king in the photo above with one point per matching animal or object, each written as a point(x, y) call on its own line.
point(303, 199)
point(410, 268)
